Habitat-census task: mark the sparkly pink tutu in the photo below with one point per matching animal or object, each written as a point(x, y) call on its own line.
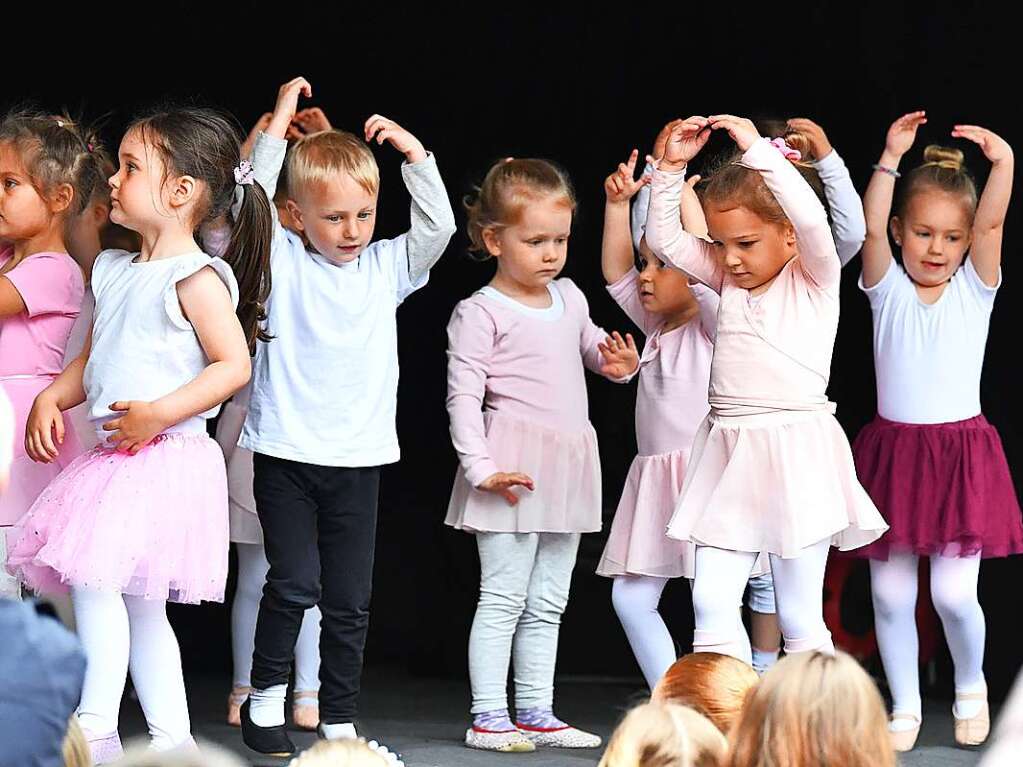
point(637, 543)
point(28, 478)
point(152, 525)
point(564, 467)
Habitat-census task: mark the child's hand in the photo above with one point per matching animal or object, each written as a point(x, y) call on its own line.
point(44, 430)
point(995, 148)
point(312, 120)
point(902, 133)
point(818, 139)
point(620, 356)
point(250, 141)
point(743, 132)
point(287, 106)
point(621, 186)
point(502, 483)
point(387, 130)
point(662, 138)
point(685, 140)
point(136, 428)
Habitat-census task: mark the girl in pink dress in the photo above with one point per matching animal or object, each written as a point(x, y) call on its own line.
point(529, 478)
point(930, 460)
point(771, 470)
point(48, 171)
point(142, 518)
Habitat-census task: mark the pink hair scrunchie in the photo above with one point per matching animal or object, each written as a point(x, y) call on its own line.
point(790, 154)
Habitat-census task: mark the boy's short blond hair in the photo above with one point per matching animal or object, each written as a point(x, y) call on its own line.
point(319, 157)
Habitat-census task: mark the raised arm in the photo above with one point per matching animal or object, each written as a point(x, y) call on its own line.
point(877, 200)
point(616, 254)
point(989, 223)
point(433, 221)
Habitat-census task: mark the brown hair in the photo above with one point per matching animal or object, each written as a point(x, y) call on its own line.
point(735, 185)
point(715, 685)
point(206, 144)
point(57, 150)
point(813, 710)
point(942, 169)
point(664, 735)
point(508, 187)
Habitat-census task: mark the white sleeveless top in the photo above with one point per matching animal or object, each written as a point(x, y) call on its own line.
point(143, 347)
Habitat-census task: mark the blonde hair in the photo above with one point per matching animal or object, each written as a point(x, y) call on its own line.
point(714, 685)
point(317, 158)
point(339, 753)
point(75, 748)
point(206, 755)
point(664, 735)
point(507, 188)
point(942, 169)
point(813, 710)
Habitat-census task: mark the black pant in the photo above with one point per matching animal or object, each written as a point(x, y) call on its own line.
point(319, 530)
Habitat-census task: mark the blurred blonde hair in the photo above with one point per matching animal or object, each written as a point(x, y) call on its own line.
point(714, 685)
point(75, 749)
point(317, 158)
point(664, 735)
point(205, 755)
point(812, 710)
point(339, 753)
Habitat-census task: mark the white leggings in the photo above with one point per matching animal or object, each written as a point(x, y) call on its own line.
point(119, 633)
point(252, 569)
point(720, 581)
point(954, 594)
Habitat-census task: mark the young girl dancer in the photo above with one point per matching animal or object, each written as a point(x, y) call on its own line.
point(48, 171)
point(930, 460)
point(517, 402)
point(771, 470)
point(142, 518)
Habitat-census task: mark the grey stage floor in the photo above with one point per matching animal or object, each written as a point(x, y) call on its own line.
point(425, 719)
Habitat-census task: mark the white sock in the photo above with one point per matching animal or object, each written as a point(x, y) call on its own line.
point(763, 659)
point(345, 731)
point(967, 709)
point(266, 707)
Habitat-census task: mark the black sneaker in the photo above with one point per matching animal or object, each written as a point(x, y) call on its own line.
point(272, 741)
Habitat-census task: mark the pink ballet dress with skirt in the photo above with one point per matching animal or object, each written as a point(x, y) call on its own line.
point(31, 355)
point(670, 405)
point(245, 527)
point(154, 524)
point(517, 403)
point(771, 470)
point(930, 460)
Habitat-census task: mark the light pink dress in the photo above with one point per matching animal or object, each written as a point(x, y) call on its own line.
point(771, 469)
point(31, 356)
point(517, 403)
point(670, 405)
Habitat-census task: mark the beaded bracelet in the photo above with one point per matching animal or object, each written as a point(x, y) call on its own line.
point(890, 171)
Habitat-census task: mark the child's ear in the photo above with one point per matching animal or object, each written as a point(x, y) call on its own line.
point(492, 241)
point(183, 190)
point(895, 226)
point(61, 198)
point(296, 215)
point(790, 235)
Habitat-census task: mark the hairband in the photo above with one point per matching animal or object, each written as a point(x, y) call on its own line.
point(790, 154)
point(946, 164)
point(244, 174)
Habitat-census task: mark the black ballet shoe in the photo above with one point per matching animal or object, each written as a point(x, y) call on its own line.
point(272, 741)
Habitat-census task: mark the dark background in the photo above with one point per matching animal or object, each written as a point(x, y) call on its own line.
point(582, 88)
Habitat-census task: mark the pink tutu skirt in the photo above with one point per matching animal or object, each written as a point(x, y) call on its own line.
point(564, 467)
point(152, 525)
point(944, 488)
point(28, 478)
point(637, 543)
point(245, 527)
point(774, 483)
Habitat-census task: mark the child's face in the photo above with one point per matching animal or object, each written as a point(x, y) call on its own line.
point(532, 251)
point(24, 213)
point(934, 235)
point(337, 217)
point(662, 290)
point(140, 195)
point(751, 249)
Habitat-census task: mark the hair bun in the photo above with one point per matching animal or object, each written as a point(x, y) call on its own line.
point(801, 143)
point(944, 157)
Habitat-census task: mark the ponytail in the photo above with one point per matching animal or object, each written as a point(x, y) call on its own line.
point(248, 253)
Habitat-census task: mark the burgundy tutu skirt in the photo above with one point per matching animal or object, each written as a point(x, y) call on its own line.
point(944, 488)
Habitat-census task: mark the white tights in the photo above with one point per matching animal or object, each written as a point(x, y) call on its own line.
point(252, 569)
point(720, 581)
point(954, 594)
point(122, 633)
point(635, 599)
